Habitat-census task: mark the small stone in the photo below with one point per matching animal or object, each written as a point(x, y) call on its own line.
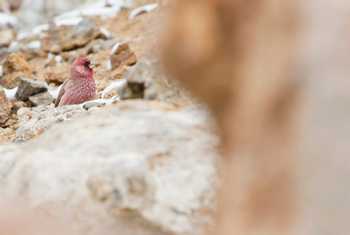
point(6, 37)
point(93, 104)
point(122, 55)
point(105, 34)
point(29, 87)
point(41, 99)
point(14, 67)
point(5, 108)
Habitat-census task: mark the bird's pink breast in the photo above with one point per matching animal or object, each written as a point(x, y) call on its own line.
point(79, 92)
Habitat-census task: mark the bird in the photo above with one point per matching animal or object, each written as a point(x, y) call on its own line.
point(80, 87)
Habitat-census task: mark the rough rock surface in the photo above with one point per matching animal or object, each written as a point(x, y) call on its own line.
point(28, 87)
point(142, 82)
point(65, 38)
point(6, 37)
point(43, 98)
point(33, 121)
point(14, 67)
point(122, 55)
point(136, 168)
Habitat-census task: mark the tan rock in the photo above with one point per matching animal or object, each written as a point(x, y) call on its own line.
point(66, 38)
point(14, 67)
point(6, 37)
point(5, 108)
point(56, 74)
point(123, 56)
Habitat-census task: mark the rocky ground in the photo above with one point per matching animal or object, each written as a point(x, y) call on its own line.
point(133, 160)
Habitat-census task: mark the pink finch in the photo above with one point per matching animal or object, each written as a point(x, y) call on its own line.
point(80, 87)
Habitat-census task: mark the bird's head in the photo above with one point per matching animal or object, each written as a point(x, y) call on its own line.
point(81, 68)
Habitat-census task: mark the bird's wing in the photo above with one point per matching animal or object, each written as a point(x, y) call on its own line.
point(61, 92)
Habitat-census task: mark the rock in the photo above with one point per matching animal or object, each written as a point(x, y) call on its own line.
point(56, 74)
point(29, 87)
point(43, 98)
point(99, 45)
point(93, 104)
point(6, 37)
point(5, 108)
point(117, 168)
point(6, 134)
point(14, 67)
point(138, 81)
point(66, 38)
point(34, 121)
point(122, 55)
point(18, 104)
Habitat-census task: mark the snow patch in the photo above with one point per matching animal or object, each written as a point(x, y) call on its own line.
point(40, 29)
point(10, 93)
point(58, 59)
point(54, 91)
point(14, 46)
point(101, 8)
point(144, 9)
point(34, 45)
point(66, 20)
point(109, 65)
point(6, 19)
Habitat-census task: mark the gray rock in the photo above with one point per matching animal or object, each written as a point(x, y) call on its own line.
point(133, 168)
point(43, 98)
point(28, 87)
point(138, 79)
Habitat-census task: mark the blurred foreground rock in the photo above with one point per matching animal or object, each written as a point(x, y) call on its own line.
point(136, 168)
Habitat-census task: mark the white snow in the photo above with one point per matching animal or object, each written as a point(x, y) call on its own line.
point(10, 93)
point(58, 59)
point(142, 9)
point(13, 46)
point(109, 65)
point(67, 20)
point(6, 19)
point(54, 91)
point(115, 48)
point(23, 35)
point(36, 31)
point(34, 45)
point(99, 8)
point(40, 28)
